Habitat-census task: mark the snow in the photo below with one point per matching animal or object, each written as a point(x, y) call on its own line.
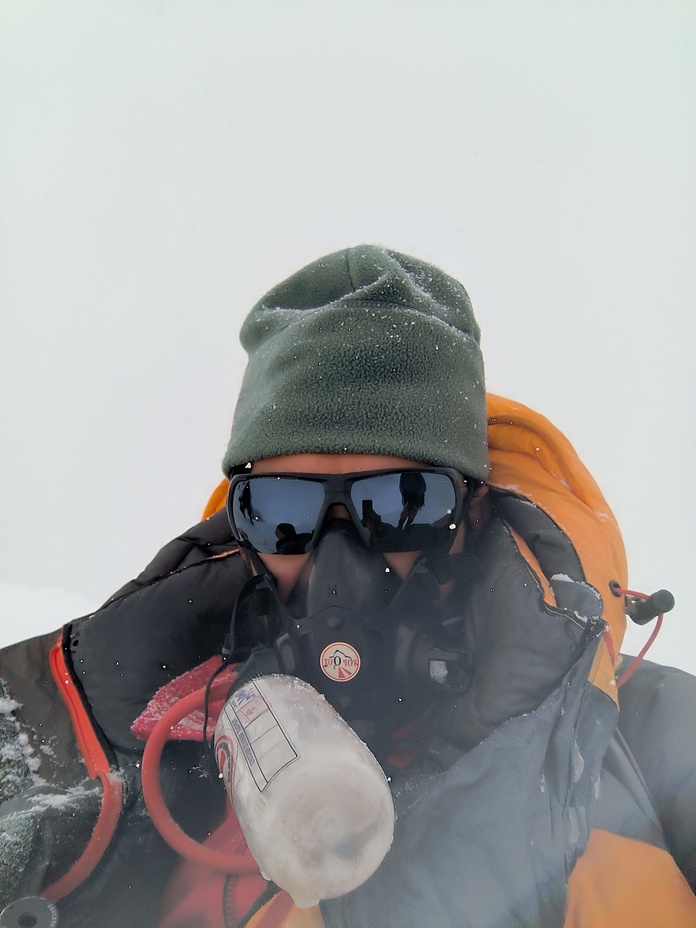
point(58, 800)
point(32, 761)
point(7, 705)
point(438, 671)
point(578, 762)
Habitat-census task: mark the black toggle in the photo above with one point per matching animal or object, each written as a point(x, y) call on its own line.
point(643, 610)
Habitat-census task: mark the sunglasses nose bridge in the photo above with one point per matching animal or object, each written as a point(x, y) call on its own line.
point(337, 504)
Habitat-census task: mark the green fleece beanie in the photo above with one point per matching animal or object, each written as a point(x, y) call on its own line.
point(363, 351)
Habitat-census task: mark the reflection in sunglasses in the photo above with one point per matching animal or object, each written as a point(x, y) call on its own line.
point(392, 510)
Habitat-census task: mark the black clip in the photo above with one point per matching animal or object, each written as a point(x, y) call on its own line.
point(643, 609)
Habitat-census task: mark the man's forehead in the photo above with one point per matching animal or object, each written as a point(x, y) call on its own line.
point(323, 463)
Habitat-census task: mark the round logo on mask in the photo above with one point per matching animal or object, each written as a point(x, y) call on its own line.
point(340, 661)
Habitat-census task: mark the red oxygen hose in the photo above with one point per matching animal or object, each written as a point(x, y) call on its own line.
point(172, 833)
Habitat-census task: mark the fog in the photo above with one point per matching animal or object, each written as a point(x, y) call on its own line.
point(163, 164)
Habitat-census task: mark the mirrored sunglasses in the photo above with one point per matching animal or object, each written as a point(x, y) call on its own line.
point(400, 510)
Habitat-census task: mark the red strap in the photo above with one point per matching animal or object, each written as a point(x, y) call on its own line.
point(273, 913)
point(98, 766)
point(194, 892)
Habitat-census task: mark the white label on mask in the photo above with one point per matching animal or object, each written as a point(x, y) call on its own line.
point(340, 661)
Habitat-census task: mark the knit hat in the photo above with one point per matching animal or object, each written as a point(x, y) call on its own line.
point(363, 351)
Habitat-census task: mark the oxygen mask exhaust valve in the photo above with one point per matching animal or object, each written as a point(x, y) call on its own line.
point(312, 801)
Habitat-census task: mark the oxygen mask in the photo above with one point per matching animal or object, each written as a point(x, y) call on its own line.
point(370, 642)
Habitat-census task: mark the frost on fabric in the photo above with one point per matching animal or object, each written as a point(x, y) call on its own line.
point(16, 760)
point(47, 750)
point(189, 728)
point(20, 751)
point(41, 800)
point(30, 759)
point(52, 818)
point(578, 762)
point(8, 705)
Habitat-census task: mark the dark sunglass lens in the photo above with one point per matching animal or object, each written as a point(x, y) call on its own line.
point(276, 515)
point(407, 511)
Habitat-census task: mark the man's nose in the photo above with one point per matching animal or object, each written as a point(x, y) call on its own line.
point(337, 511)
point(338, 514)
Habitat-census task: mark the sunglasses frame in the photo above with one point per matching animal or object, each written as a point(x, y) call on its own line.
point(337, 492)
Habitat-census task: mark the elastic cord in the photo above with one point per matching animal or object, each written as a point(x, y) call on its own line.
point(633, 666)
point(172, 833)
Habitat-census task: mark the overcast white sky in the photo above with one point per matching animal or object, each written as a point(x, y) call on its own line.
point(163, 164)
